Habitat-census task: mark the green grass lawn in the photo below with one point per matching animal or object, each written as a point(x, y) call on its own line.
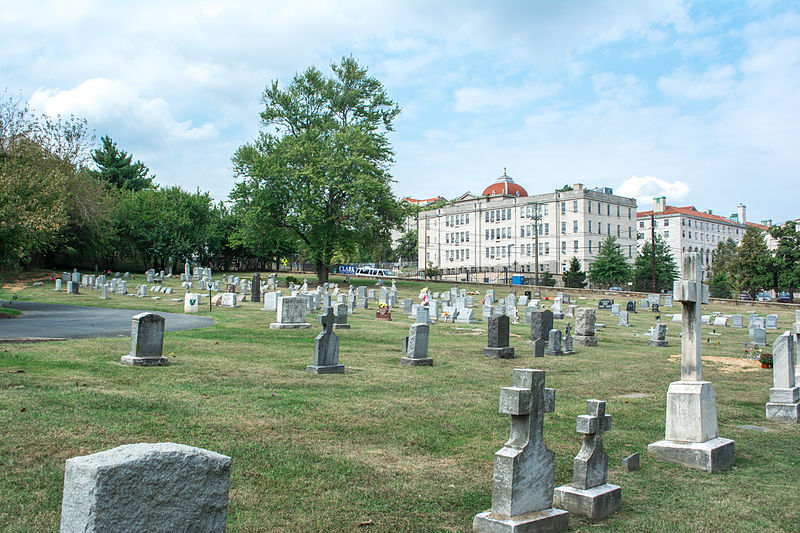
point(399, 448)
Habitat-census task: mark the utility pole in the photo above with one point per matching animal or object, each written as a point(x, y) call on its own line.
point(425, 257)
point(537, 216)
point(653, 246)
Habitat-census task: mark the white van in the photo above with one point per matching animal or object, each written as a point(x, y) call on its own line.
point(375, 272)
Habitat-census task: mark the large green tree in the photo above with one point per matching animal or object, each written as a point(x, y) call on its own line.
point(755, 262)
point(316, 182)
point(666, 269)
point(575, 277)
point(726, 277)
point(117, 169)
point(787, 256)
point(610, 267)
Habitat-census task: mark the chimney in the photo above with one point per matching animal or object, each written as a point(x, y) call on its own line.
point(767, 222)
point(578, 186)
point(659, 204)
point(741, 209)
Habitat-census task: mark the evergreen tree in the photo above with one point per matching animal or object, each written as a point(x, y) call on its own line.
point(754, 262)
point(787, 256)
point(117, 170)
point(575, 277)
point(547, 279)
point(666, 269)
point(610, 267)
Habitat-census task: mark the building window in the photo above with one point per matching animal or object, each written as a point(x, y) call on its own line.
point(575, 246)
point(487, 253)
point(617, 210)
point(493, 252)
point(629, 232)
point(546, 209)
point(547, 228)
point(529, 250)
point(492, 234)
point(521, 212)
point(590, 206)
point(467, 253)
point(629, 213)
point(563, 247)
point(599, 228)
point(427, 239)
point(504, 232)
point(487, 216)
point(447, 238)
point(563, 227)
point(509, 214)
point(503, 251)
point(629, 251)
point(618, 230)
point(467, 218)
point(666, 234)
point(575, 206)
point(666, 222)
point(467, 235)
point(492, 215)
point(547, 248)
point(522, 231)
point(608, 209)
point(503, 214)
point(574, 226)
point(590, 246)
point(487, 235)
point(446, 222)
point(529, 230)
point(641, 224)
point(590, 225)
point(563, 208)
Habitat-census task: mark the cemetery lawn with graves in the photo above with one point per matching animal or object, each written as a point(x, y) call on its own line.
point(385, 447)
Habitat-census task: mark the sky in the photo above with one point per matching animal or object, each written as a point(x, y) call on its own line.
point(696, 101)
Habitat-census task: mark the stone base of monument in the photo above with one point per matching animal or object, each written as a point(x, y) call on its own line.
point(553, 352)
point(539, 521)
point(658, 344)
point(595, 503)
point(132, 360)
point(584, 340)
point(784, 404)
point(341, 326)
point(325, 369)
point(506, 352)
point(278, 325)
point(559, 315)
point(416, 361)
point(713, 455)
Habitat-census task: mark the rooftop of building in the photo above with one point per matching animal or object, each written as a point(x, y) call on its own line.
point(687, 211)
point(504, 186)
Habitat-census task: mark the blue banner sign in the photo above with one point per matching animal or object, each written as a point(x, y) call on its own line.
point(346, 269)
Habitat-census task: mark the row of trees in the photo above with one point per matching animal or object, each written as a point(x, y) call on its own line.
point(314, 186)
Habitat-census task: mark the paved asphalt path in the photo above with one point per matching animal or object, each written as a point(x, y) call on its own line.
point(54, 321)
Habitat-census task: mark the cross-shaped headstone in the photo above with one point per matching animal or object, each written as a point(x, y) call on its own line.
point(590, 467)
point(327, 320)
point(523, 488)
point(691, 293)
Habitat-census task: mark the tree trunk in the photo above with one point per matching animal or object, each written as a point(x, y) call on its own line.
point(322, 271)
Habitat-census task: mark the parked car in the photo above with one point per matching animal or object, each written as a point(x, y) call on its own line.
point(784, 297)
point(745, 296)
point(763, 297)
point(615, 288)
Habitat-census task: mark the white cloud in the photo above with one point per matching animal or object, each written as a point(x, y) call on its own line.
point(718, 81)
point(477, 99)
point(651, 187)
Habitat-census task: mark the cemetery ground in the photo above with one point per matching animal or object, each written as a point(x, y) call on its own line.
point(384, 447)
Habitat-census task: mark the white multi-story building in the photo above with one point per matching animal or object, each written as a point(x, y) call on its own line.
point(685, 229)
point(497, 231)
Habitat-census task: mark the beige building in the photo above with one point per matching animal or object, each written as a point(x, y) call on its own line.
point(497, 231)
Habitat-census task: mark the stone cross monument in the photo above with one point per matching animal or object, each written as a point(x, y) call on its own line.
point(522, 493)
point(590, 495)
point(326, 349)
point(692, 436)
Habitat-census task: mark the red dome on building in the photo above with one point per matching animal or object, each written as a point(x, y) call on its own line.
point(504, 186)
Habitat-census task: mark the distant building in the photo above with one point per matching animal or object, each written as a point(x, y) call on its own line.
point(497, 230)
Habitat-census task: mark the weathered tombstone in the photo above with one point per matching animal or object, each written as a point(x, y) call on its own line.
point(756, 323)
point(541, 323)
point(372, 294)
point(556, 308)
point(191, 303)
point(227, 299)
point(340, 316)
point(631, 463)
point(554, 343)
point(630, 306)
point(522, 301)
point(255, 288)
point(271, 301)
point(150, 275)
point(568, 350)
point(58, 285)
point(654, 298)
point(720, 321)
point(498, 338)
point(659, 338)
point(141, 291)
point(416, 353)
point(590, 494)
point(407, 303)
point(623, 319)
point(470, 301)
point(772, 321)
point(615, 309)
point(585, 319)
point(104, 292)
point(667, 300)
point(784, 396)
point(705, 319)
point(500, 309)
point(73, 287)
point(361, 300)
point(692, 435)
point(326, 349)
point(146, 487)
point(423, 314)
point(465, 316)
point(291, 313)
point(570, 311)
point(433, 306)
point(383, 313)
point(759, 336)
point(751, 318)
point(736, 321)
point(147, 341)
point(522, 492)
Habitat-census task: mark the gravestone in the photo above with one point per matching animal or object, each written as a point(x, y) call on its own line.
point(570, 311)
point(751, 318)
point(227, 299)
point(784, 396)
point(759, 336)
point(255, 288)
point(423, 315)
point(541, 323)
point(654, 298)
point(692, 436)
point(104, 292)
point(667, 300)
point(554, 343)
point(146, 487)
point(615, 309)
point(556, 308)
point(191, 303)
point(433, 306)
point(147, 341)
point(58, 285)
point(498, 338)
point(772, 321)
point(407, 303)
point(623, 319)
point(326, 348)
point(383, 313)
point(528, 311)
point(659, 338)
point(755, 323)
point(416, 353)
point(568, 339)
point(465, 316)
point(486, 311)
point(340, 316)
point(644, 304)
point(291, 313)
point(585, 319)
point(522, 491)
point(271, 301)
point(736, 321)
point(720, 321)
point(499, 309)
point(705, 319)
point(489, 298)
point(522, 301)
point(630, 306)
point(73, 287)
point(141, 291)
point(590, 494)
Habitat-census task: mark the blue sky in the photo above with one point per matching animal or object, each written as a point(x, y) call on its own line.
point(698, 101)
